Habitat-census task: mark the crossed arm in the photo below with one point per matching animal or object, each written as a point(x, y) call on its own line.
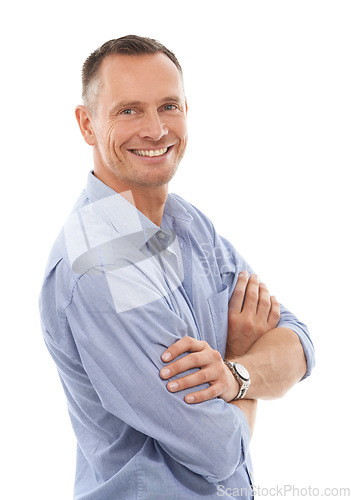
point(273, 356)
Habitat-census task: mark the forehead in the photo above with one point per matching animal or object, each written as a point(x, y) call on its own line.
point(139, 77)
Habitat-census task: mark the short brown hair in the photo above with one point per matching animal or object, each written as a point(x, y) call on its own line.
point(127, 45)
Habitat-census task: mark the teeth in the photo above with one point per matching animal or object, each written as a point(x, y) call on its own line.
point(150, 152)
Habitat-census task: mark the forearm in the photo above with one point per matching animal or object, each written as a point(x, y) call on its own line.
point(276, 361)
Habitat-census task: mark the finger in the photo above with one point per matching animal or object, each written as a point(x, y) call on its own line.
point(181, 346)
point(251, 296)
point(192, 360)
point(274, 313)
point(264, 302)
point(236, 301)
point(204, 395)
point(200, 377)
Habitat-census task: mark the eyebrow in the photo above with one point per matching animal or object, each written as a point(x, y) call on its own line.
point(131, 104)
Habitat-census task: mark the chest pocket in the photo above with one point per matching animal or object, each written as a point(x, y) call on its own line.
point(218, 305)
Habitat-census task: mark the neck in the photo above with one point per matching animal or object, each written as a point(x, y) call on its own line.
point(150, 200)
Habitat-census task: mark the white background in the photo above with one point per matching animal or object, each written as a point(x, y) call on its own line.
point(268, 85)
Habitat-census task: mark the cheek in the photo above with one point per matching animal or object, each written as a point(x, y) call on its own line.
point(181, 130)
point(105, 137)
point(121, 136)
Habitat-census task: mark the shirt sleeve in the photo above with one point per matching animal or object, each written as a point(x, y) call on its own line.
point(121, 354)
point(231, 263)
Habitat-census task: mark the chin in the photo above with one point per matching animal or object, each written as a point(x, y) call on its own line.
point(157, 178)
point(154, 182)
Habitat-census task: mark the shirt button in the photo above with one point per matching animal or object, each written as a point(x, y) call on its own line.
point(161, 235)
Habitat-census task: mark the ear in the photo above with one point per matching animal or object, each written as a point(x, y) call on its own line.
point(85, 123)
point(186, 107)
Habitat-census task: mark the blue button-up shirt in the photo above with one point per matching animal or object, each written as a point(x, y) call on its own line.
point(118, 291)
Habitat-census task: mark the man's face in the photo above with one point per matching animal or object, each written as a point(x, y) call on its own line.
point(139, 121)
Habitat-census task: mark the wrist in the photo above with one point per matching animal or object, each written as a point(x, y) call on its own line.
point(234, 388)
point(241, 375)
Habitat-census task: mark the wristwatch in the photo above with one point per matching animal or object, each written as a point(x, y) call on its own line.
point(242, 376)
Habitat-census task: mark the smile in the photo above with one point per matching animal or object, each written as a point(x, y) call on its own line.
point(149, 152)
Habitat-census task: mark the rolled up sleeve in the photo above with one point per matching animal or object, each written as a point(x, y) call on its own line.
point(231, 263)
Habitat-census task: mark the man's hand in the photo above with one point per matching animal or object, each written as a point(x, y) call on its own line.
point(212, 371)
point(252, 313)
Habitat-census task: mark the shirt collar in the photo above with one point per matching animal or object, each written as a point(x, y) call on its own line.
point(116, 210)
point(91, 237)
point(123, 215)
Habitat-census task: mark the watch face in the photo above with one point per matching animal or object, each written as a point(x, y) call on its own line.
point(242, 371)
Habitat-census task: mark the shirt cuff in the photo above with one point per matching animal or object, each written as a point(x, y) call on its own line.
point(306, 345)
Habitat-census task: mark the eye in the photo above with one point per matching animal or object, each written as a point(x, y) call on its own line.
point(169, 107)
point(127, 112)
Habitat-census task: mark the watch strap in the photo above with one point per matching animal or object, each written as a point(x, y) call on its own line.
point(243, 384)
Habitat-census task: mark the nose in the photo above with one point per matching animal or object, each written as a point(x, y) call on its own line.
point(153, 127)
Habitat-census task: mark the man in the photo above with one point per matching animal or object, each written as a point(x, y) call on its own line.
point(135, 309)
